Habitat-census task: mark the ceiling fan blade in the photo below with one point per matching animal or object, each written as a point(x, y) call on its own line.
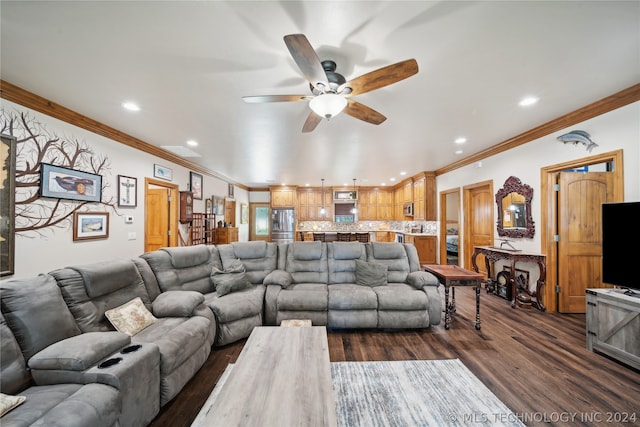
point(362, 112)
point(306, 58)
point(313, 120)
point(382, 77)
point(260, 99)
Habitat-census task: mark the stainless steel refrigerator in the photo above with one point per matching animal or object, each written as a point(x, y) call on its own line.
point(282, 225)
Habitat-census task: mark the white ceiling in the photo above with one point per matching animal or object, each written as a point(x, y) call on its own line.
point(188, 64)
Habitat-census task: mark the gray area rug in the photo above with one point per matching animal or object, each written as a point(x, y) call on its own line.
point(415, 393)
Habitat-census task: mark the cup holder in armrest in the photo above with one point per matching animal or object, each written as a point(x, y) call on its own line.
point(110, 362)
point(131, 349)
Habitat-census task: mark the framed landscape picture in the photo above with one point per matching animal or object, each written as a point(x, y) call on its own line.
point(64, 183)
point(127, 191)
point(195, 180)
point(90, 225)
point(162, 172)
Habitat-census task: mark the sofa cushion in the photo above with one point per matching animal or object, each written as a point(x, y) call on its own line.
point(238, 305)
point(79, 353)
point(177, 303)
point(106, 277)
point(370, 273)
point(401, 297)
point(280, 278)
point(347, 250)
point(301, 297)
point(307, 251)
point(67, 405)
point(36, 313)
point(388, 250)
point(8, 402)
point(180, 258)
point(352, 297)
point(231, 279)
point(259, 258)
point(131, 317)
point(14, 376)
point(394, 256)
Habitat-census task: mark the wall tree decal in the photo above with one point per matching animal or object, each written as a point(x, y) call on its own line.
point(36, 144)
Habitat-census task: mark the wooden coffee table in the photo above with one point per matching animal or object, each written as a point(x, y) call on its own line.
point(451, 276)
point(281, 378)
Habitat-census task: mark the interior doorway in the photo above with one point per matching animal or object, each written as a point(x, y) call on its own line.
point(571, 202)
point(450, 226)
point(161, 207)
point(479, 222)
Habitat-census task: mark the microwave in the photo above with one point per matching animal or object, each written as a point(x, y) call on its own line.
point(407, 209)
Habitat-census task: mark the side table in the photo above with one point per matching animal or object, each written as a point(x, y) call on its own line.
point(452, 276)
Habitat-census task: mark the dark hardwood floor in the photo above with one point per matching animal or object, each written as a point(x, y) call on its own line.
point(535, 362)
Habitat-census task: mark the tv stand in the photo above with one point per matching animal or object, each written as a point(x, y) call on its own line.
point(613, 324)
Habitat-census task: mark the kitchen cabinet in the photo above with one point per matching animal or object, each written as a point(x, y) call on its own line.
point(426, 247)
point(284, 197)
point(424, 197)
point(407, 193)
point(310, 203)
point(375, 204)
point(385, 236)
point(226, 235)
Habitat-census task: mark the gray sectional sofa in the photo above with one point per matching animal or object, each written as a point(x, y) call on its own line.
point(61, 351)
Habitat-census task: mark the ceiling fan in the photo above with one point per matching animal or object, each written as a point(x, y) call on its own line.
point(331, 92)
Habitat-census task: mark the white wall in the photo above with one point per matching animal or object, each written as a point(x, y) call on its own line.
point(618, 129)
point(53, 247)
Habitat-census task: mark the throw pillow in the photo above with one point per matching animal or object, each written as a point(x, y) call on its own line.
point(231, 279)
point(8, 402)
point(371, 273)
point(278, 277)
point(130, 318)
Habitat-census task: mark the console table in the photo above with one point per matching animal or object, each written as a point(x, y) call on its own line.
point(493, 254)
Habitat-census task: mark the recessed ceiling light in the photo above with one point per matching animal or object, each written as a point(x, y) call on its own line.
point(283, 184)
point(131, 106)
point(307, 184)
point(192, 143)
point(403, 173)
point(383, 183)
point(461, 140)
point(529, 100)
point(392, 179)
point(458, 151)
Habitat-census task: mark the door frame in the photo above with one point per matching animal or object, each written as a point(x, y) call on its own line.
point(174, 208)
point(549, 212)
point(443, 223)
point(252, 215)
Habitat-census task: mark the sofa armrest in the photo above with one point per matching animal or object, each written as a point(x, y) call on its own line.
point(80, 352)
point(278, 277)
point(176, 303)
point(419, 279)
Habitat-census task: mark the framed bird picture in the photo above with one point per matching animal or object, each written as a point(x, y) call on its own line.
point(64, 183)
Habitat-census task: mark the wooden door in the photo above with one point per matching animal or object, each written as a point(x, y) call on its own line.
point(580, 200)
point(479, 223)
point(259, 221)
point(157, 219)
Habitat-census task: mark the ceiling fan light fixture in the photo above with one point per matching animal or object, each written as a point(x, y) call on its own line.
point(328, 105)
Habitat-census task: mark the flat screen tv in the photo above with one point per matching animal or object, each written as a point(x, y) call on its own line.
point(620, 239)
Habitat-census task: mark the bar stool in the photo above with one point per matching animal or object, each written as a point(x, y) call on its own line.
point(344, 237)
point(301, 236)
point(362, 237)
point(318, 237)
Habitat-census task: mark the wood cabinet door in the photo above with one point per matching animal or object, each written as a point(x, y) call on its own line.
point(426, 247)
point(284, 198)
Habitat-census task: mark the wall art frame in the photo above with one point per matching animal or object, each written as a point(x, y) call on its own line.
point(218, 205)
point(195, 185)
point(244, 213)
point(162, 172)
point(90, 225)
point(127, 191)
point(7, 205)
point(231, 191)
point(64, 183)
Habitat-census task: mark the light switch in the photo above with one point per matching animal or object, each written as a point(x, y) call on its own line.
point(128, 219)
point(132, 235)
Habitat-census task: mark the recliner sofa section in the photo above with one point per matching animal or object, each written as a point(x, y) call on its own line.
point(36, 330)
point(319, 281)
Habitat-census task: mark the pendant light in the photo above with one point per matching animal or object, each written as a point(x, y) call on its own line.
point(355, 203)
point(323, 211)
